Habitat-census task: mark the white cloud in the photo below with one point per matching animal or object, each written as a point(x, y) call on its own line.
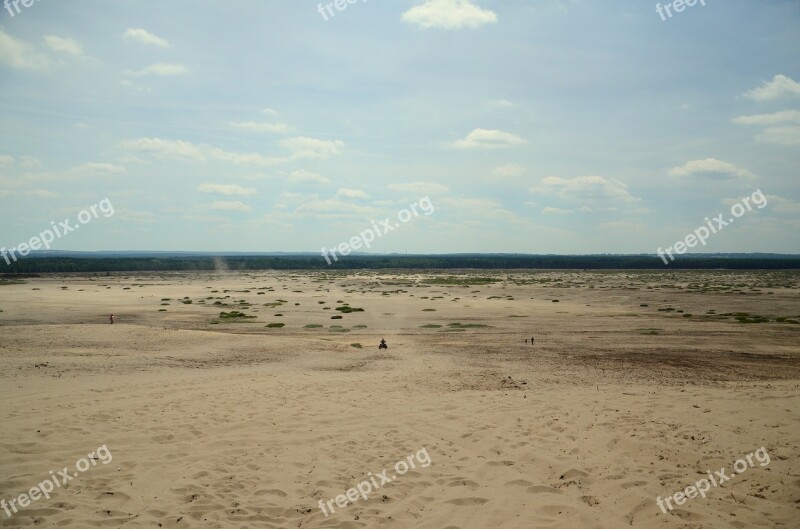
point(302, 147)
point(789, 135)
point(230, 206)
point(780, 86)
point(420, 188)
point(41, 193)
point(713, 169)
point(5, 159)
point(18, 54)
point(225, 189)
point(508, 171)
point(29, 162)
point(166, 148)
point(501, 103)
point(97, 169)
point(785, 116)
point(64, 45)
point(145, 37)
point(183, 150)
point(161, 69)
point(586, 189)
point(783, 205)
point(272, 128)
point(556, 211)
point(488, 139)
point(351, 193)
point(448, 14)
point(302, 176)
point(333, 208)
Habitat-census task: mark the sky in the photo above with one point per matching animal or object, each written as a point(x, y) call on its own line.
point(538, 126)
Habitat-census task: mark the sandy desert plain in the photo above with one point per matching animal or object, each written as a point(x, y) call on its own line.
point(638, 384)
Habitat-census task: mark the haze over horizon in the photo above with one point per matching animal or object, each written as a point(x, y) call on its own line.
point(538, 127)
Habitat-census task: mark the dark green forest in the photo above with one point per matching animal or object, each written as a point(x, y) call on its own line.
point(62, 264)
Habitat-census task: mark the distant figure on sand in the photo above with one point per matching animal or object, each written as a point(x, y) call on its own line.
point(111, 319)
point(526, 340)
point(531, 340)
point(383, 344)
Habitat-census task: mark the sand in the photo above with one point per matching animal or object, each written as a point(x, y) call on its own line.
point(228, 423)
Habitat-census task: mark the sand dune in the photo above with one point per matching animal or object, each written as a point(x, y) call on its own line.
point(216, 423)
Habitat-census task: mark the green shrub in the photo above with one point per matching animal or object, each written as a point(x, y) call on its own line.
point(233, 314)
point(275, 325)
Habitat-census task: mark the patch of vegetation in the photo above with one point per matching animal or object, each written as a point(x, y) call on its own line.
point(347, 309)
point(431, 326)
point(162, 310)
point(359, 326)
point(337, 328)
point(651, 332)
point(186, 301)
point(313, 326)
point(234, 314)
point(462, 281)
point(428, 310)
point(275, 325)
point(744, 317)
point(357, 345)
point(467, 325)
point(336, 317)
point(166, 299)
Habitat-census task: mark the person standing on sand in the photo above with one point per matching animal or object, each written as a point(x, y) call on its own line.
point(531, 340)
point(111, 319)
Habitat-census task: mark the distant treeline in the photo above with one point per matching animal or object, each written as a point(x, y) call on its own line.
point(43, 265)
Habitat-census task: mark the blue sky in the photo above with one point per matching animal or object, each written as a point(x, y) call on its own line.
point(541, 126)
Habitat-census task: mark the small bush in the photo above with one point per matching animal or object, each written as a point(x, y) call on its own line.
point(233, 314)
point(275, 325)
point(356, 345)
point(347, 309)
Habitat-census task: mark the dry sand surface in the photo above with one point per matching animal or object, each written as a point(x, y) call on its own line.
point(225, 422)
